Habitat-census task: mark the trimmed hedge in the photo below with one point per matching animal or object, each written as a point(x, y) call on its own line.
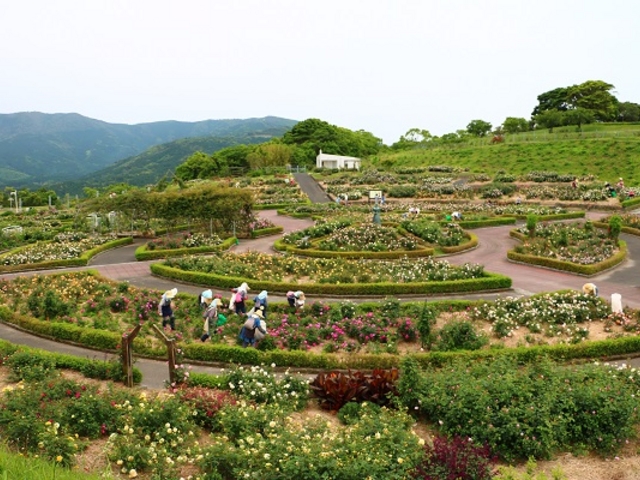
point(491, 281)
point(98, 369)
point(472, 243)
point(263, 232)
point(630, 203)
point(557, 216)
point(143, 254)
point(81, 261)
point(277, 206)
point(629, 230)
point(490, 222)
point(586, 270)
point(310, 252)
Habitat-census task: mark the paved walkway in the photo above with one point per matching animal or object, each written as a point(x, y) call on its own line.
point(120, 265)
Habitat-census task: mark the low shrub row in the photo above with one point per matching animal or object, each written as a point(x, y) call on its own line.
point(631, 203)
point(310, 252)
point(490, 281)
point(263, 232)
point(142, 253)
point(489, 222)
point(555, 216)
point(20, 357)
point(80, 261)
point(586, 270)
point(629, 230)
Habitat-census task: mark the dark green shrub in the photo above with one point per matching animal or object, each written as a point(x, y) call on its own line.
point(460, 336)
point(426, 320)
point(351, 412)
point(29, 366)
point(615, 226)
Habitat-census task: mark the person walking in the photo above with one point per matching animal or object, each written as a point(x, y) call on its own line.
point(212, 316)
point(166, 308)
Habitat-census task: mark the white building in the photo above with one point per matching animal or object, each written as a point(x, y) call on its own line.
point(324, 160)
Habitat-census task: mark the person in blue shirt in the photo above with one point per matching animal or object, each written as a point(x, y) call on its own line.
point(248, 330)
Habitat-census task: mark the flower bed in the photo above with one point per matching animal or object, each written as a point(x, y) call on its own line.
point(331, 276)
point(178, 249)
point(63, 252)
point(575, 248)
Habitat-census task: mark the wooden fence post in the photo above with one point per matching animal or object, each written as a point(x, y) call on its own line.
point(127, 354)
point(171, 350)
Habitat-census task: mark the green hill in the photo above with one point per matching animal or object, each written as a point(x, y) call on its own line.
point(37, 148)
point(150, 166)
point(605, 153)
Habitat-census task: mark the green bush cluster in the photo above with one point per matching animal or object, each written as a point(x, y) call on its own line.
point(526, 411)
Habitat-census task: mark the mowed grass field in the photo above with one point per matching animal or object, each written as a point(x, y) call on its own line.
point(607, 153)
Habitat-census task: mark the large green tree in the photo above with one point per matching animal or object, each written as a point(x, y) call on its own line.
point(479, 128)
point(549, 119)
point(628, 112)
point(312, 135)
point(200, 165)
point(594, 95)
point(555, 99)
point(515, 125)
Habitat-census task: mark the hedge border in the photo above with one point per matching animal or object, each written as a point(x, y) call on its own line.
point(555, 216)
point(81, 261)
point(632, 202)
point(143, 254)
point(629, 230)
point(490, 222)
point(278, 206)
point(264, 232)
point(490, 282)
point(552, 263)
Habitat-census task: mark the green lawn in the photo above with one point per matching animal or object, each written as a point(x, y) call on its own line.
point(607, 158)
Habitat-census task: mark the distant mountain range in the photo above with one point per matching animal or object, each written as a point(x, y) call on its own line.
point(40, 149)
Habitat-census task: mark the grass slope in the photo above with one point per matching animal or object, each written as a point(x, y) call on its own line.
point(607, 158)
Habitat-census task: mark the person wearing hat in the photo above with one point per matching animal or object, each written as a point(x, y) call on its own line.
point(238, 298)
point(295, 299)
point(248, 330)
point(166, 308)
point(211, 314)
point(261, 301)
point(590, 289)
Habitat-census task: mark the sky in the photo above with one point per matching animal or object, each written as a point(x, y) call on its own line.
point(384, 66)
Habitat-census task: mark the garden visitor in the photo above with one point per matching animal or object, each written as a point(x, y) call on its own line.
point(166, 308)
point(457, 216)
point(383, 200)
point(574, 183)
point(590, 289)
point(238, 298)
point(295, 299)
point(204, 299)
point(248, 330)
point(620, 184)
point(212, 315)
point(260, 301)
